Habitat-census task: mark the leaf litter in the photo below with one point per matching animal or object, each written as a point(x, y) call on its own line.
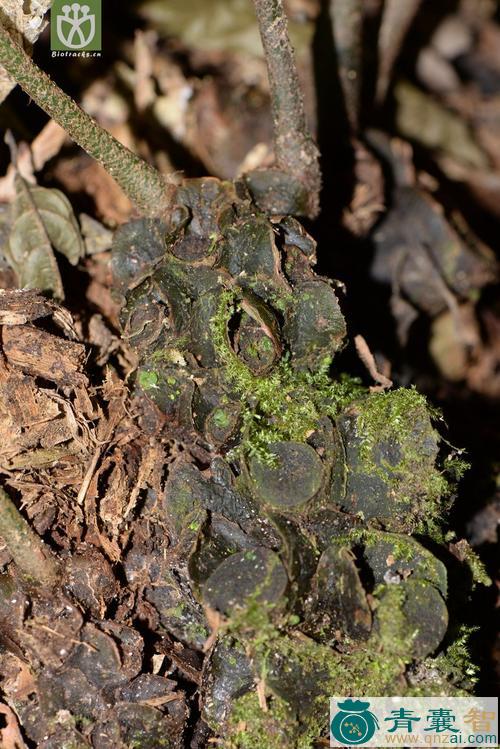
point(102, 659)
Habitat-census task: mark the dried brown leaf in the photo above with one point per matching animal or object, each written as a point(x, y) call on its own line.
point(42, 219)
point(30, 159)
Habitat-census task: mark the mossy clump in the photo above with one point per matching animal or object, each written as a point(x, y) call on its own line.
point(252, 727)
point(299, 675)
point(392, 449)
point(284, 405)
point(291, 500)
point(401, 419)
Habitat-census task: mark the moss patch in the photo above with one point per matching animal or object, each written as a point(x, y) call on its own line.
point(284, 405)
point(148, 380)
point(397, 423)
point(250, 727)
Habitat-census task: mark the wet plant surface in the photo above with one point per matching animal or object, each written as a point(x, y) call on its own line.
point(218, 506)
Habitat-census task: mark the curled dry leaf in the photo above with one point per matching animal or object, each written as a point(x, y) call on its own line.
point(47, 144)
point(97, 237)
point(32, 158)
point(347, 18)
point(42, 219)
point(396, 20)
point(368, 199)
point(455, 338)
point(81, 174)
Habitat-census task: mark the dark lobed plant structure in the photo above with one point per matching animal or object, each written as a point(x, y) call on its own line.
point(301, 512)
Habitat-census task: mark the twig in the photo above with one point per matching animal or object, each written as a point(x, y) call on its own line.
point(28, 551)
point(295, 151)
point(347, 19)
point(396, 20)
point(215, 621)
point(368, 360)
point(261, 695)
point(143, 184)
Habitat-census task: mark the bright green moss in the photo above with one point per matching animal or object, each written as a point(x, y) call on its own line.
point(455, 663)
point(475, 565)
point(221, 418)
point(282, 405)
point(148, 380)
point(250, 727)
point(450, 673)
point(298, 707)
point(401, 419)
point(396, 417)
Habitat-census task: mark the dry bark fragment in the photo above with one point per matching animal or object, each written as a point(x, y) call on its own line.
point(44, 355)
point(28, 551)
point(19, 306)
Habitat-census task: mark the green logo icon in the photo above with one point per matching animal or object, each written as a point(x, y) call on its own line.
point(353, 724)
point(75, 27)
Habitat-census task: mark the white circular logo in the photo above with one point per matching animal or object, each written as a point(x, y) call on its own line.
point(76, 26)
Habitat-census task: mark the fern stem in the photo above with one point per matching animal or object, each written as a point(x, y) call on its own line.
point(143, 184)
point(295, 150)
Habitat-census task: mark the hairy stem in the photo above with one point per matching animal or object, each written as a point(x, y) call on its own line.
point(27, 549)
point(295, 151)
point(143, 184)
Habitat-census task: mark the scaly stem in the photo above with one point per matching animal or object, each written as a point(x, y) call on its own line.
point(143, 184)
point(30, 554)
point(295, 151)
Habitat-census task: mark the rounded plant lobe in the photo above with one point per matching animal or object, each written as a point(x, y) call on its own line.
point(294, 479)
point(280, 507)
point(254, 576)
point(338, 603)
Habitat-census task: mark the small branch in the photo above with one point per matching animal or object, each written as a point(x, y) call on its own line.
point(295, 151)
point(29, 552)
point(347, 21)
point(143, 184)
point(396, 20)
point(368, 360)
